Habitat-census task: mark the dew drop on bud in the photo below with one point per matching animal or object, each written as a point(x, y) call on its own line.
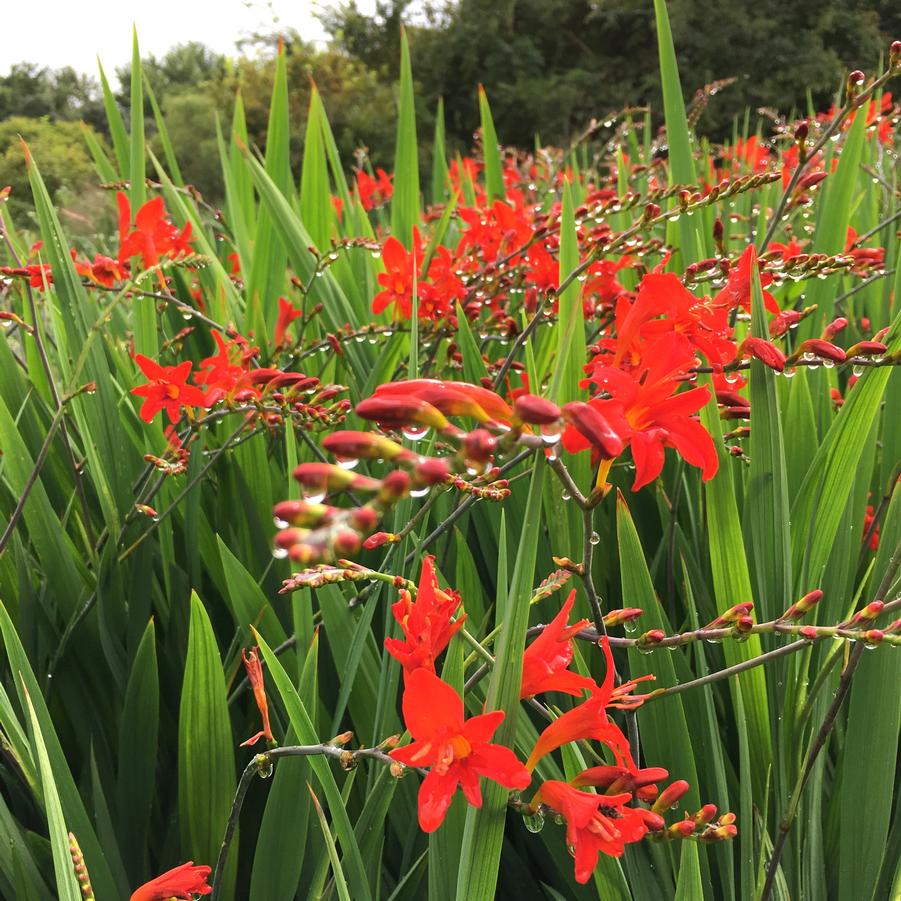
point(279, 553)
point(412, 433)
point(314, 496)
point(280, 523)
point(347, 462)
point(419, 492)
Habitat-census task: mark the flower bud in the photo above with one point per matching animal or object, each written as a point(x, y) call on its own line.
point(718, 230)
point(619, 617)
point(651, 638)
point(823, 349)
point(364, 519)
point(855, 80)
point(431, 471)
point(378, 539)
point(805, 605)
point(590, 423)
point(349, 445)
point(801, 132)
point(834, 328)
point(395, 486)
point(705, 815)
point(866, 349)
point(767, 353)
point(811, 180)
point(392, 411)
point(479, 446)
point(535, 410)
point(670, 796)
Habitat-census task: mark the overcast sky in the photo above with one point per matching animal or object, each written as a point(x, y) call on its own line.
point(60, 33)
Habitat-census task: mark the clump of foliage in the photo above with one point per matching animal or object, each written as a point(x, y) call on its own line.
point(533, 529)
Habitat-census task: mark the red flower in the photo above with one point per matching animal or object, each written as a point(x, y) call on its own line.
point(589, 719)
point(544, 665)
point(645, 411)
point(397, 282)
point(181, 882)
point(286, 315)
point(153, 237)
point(167, 389)
point(374, 192)
point(458, 752)
point(426, 622)
point(737, 291)
point(255, 677)
point(596, 824)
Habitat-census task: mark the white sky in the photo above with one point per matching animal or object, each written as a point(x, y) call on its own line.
point(58, 33)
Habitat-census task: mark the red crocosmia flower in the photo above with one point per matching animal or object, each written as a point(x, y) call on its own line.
point(543, 270)
point(374, 191)
point(458, 752)
point(182, 882)
point(596, 824)
point(255, 677)
point(544, 665)
point(426, 622)
point(867, 525)
point(589, 719)
point(286, 315)
point(153, 237)
point(786, 251)
point(645, 410)
point(397, 282)
point(737, 290)
point(167, 389)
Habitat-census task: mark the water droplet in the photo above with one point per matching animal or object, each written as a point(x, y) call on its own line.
point(264, 767)
point(857, 370)
point(419, 492)
point(789, 373)
point(595, 539)
point(280, 523)
point(829, 364)
point(644, 649)
point(566, 496)
point(414, 433)
point(347, 462)
point(631, 625)
point(279, 553)
point(186, 315)
point(534, 823)
point(314, 495)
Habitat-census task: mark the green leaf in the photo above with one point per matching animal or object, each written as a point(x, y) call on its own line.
point(869, 757)
point(337, 871)
point(820, 503)
point(206, 759)
point(138, 738)
point(405, 200)
point(315, 200)
point(137, 192)
point(768, 512)
point(484, 832)
point(306, 734)
point(115, 121)
point(66, 884)
point(439, 158)
point(494, 170)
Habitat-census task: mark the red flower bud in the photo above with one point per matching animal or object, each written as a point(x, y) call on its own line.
point(867, 349)
point(618, 617)
point(595, 428)
point(767, 353)
point(377, 540)
point(811, 180)
point(362, 445)
point(431, 471)
point(395, 485)
point(705, 814)
point(670, 796)
point(364, 519)
point(718, 230)
point(801, 132)
point(395, 412)
point(535, 410)
point(479, 446)
point(346, 542)
point(834, 328)
point(823, 349)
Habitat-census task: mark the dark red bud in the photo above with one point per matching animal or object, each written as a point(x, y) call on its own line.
point(479, 446)
point(590, 423)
